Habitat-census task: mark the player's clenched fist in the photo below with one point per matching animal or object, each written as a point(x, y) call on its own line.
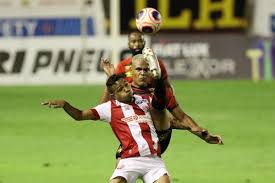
point(54, 103)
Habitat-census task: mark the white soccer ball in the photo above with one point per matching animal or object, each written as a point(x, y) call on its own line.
point(148, 20)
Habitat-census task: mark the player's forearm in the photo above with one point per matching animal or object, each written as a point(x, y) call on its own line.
point(196, 129)
point(72, 111)
point(202, 132)
point(187, 123)
point(183, 121)
point(190, 123)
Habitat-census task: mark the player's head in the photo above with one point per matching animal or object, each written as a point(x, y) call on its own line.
point(119, 88)
point(136, 42)
point(140, 71)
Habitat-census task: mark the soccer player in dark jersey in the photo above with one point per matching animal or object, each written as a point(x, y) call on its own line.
point(180, 120)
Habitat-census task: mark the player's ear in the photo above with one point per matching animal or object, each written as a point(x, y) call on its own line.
point(128, 43)
point(112, 90)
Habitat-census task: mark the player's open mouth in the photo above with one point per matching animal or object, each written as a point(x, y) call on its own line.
point(142, 78)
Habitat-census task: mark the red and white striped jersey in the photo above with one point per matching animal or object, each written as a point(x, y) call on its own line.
point(132, 125)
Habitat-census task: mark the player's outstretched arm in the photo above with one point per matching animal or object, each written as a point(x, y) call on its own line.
point(109, 70)
point(72, 111)
point(184, 122)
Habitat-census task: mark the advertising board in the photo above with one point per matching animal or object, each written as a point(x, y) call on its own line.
point(204, 56)
point(55, 61)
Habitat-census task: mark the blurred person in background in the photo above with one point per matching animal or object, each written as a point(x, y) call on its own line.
point(131, 122)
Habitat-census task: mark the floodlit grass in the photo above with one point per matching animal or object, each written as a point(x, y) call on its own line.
point(42, 145)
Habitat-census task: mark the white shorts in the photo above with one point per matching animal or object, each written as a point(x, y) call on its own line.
point(149, 169)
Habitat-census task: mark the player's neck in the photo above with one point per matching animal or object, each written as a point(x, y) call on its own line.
point(130, 101)
point(137, 86)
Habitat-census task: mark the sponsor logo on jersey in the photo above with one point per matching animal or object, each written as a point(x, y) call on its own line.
point(137, 119)
point(140, 101)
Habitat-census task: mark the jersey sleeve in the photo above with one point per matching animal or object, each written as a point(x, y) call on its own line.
point(120, 69)
point(103, 111)
point(171, 101)
point(164, 74)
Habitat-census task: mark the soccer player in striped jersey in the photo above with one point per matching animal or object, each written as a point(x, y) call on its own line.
point(131, 122)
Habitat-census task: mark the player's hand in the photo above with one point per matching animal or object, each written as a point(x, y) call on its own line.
point(54, 103)
point(107, 66)
point(213, 139)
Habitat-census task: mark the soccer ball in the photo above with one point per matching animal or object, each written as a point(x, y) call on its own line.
point(148, 20)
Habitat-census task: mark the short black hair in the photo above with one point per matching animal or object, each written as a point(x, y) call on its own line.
point(112, 80)
point(135, 32)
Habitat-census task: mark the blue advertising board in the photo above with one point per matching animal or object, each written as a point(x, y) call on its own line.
point(61, 26)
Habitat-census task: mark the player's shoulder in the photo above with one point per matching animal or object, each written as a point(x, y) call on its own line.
point(104, 105)
point(126, 61)
point(125, 67)
point(161, 63)
point(163, 68)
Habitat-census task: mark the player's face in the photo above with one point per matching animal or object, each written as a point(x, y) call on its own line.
point(122, 91)
point(136, 43)
point(140, 74)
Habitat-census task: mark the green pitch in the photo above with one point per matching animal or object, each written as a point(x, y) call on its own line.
point(42, 145)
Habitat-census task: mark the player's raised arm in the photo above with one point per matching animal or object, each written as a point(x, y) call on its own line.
point(109, 70)
point(107, 66)
point(75, 113)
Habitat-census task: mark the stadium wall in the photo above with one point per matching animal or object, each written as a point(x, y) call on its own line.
point(64, 45)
